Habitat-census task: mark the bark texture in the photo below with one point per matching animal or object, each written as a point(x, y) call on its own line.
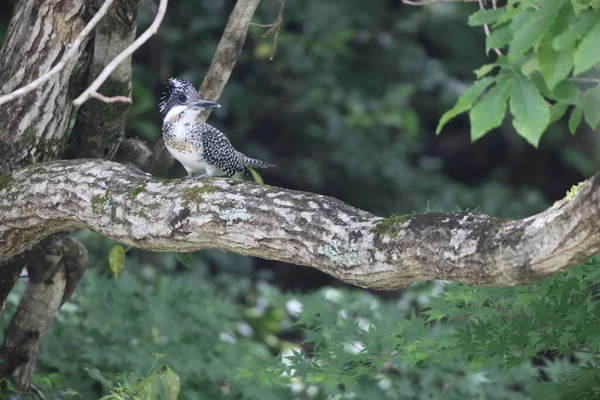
point(99, 128)
point(54, 267)
point(355, 246)
point(34, 126)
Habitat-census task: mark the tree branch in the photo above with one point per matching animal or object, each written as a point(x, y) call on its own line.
point(55, 267)
point(228, 50)
point(99, 128)
point(125, 54)
point(73, 50)
point(355, 246)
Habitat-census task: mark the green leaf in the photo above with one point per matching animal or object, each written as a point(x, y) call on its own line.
point(530, 26)
point(489, 112)
point(98, 375)
point(555, 66)
point(186, 259)
point(465, 101)
point(529, 109)
point(484, 70)
point(171, 384)
point(590, 101)
point(116, 260)
point(256, 176)
point(530, 66)
point(575, 119)
point(587, 54)
point(575, 31)
point(557, 110)
point(566, 92)
point(498, 38)
point(482, 17)
point(525, 35)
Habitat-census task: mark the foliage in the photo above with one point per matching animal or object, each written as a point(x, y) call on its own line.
point(462, 341)
point(443, 340)
point(548, 47)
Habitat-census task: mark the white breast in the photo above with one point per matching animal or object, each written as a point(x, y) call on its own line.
point(191, 161)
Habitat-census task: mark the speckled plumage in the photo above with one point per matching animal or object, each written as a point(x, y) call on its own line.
point(202, 149)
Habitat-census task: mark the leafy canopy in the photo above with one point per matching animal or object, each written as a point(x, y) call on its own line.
point(548, 48)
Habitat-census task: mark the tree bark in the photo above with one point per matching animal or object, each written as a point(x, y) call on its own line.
point(55, 267)
point(34, 126)
point(100, 126)
point(352, 245)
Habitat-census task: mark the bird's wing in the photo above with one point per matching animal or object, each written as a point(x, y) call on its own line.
point(219, 151)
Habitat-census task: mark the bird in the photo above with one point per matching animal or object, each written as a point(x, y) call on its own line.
point(202, 149)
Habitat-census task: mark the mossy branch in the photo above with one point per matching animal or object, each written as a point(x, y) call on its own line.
point(302, 228)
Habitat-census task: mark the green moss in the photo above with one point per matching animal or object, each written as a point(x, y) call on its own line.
point(5, 180)
point(573, 191)
point(99, 202)
point(386, 225)
point(137, 190)
point(195, 195)
point(519, 233)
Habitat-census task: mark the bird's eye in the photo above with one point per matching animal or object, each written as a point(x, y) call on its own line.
point(182, 97)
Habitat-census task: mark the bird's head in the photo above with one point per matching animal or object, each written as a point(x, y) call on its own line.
point(181, 100)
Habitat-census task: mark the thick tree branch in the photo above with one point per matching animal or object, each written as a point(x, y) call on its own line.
point(228, 50)
point(132, 207)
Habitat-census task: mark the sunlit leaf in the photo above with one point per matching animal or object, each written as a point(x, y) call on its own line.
point(587, 54)
point(557, 111)
point(489, 112)
point(186, 259)
point(116, 260)
point(498, 38)
point(256, 176)
point(575, 119)
point(484, 70)
point(465, 101)
point(555, 66)
point(529, 109)
point(486, 16)
point(575, 31)
point(170, 382)
point(590, 101)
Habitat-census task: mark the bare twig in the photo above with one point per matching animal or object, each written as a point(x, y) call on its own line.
point(113, 99)
point(585, 80)
point(143, 38)
point(429, 2)
point(486, 28)
point(63, 61)
point(37, 392)
point(274, 28)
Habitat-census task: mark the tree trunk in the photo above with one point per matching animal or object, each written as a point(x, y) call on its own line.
point(34, 126)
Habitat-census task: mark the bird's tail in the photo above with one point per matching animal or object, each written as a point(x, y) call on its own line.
point(254, 163)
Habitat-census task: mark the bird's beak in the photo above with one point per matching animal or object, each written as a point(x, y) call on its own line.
point(203, 104)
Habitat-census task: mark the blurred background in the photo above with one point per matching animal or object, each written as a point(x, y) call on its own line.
point(347, 108)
